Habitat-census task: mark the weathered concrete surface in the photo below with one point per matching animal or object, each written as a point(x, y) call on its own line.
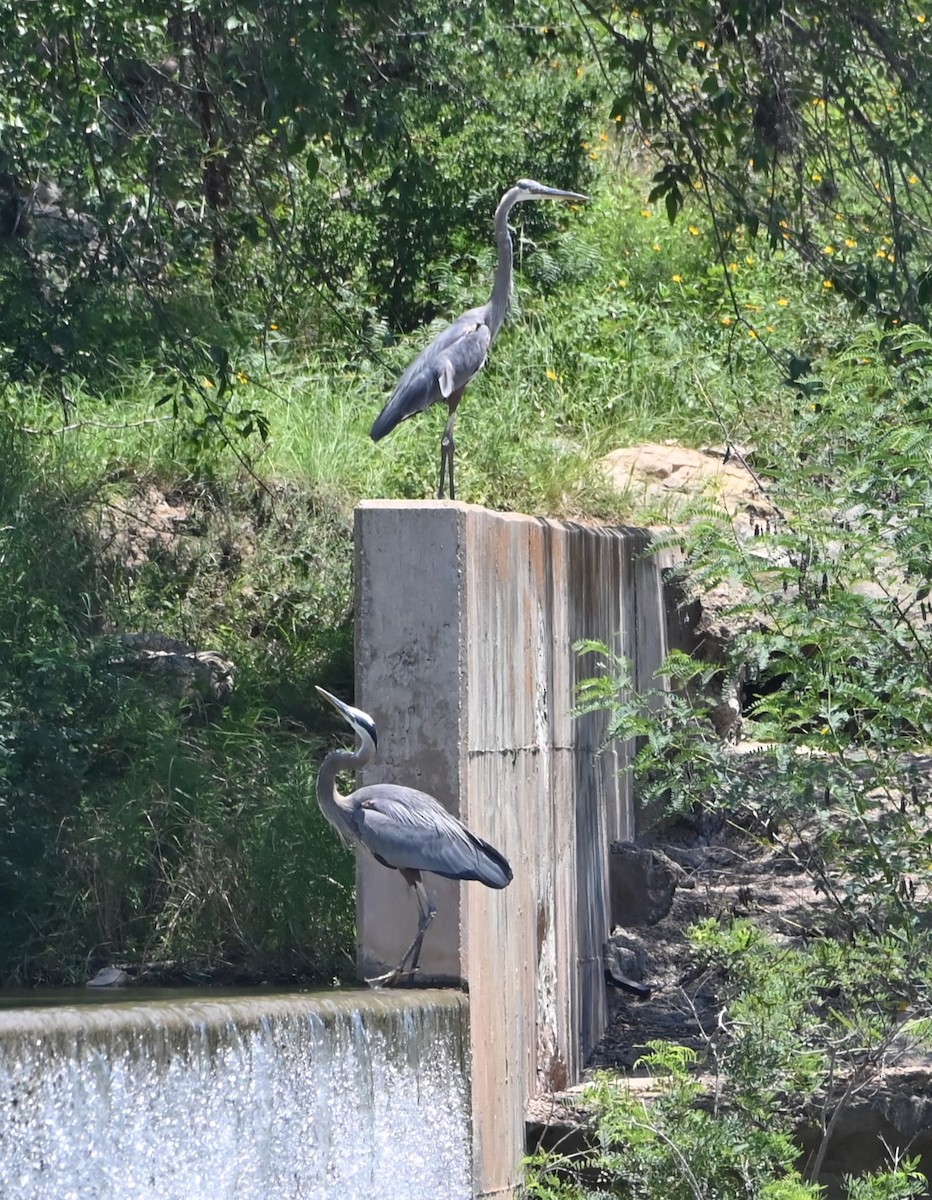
point(466, 621)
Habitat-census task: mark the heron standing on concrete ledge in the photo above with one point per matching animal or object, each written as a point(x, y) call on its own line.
point(405, 830)
point(454, 357)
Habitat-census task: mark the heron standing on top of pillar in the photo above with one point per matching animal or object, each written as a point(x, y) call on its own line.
point(443, 370)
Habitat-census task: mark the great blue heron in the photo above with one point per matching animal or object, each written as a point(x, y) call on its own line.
point(403, 829)
point(455, 356)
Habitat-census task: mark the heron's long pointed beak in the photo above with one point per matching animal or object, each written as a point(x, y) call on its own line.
point(342, 709)
point(540, 191)
point(360, 723)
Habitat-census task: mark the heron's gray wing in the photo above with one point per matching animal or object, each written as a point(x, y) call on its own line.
point(439, 371)
point(406, 828)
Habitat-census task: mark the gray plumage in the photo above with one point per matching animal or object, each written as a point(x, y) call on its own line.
point(444, 368)
point(404, 829)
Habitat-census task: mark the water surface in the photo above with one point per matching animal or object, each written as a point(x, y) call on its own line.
point(258, 1096)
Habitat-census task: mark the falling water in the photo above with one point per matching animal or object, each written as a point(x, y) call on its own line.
point(278, 1098)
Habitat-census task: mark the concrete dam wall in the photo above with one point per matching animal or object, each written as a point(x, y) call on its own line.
point(466, 621)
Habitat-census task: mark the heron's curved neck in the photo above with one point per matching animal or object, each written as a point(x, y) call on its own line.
point(504, 272)
point(336, 761)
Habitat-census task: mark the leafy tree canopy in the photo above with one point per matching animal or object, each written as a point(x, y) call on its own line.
point(172, 172)
point(805, 122)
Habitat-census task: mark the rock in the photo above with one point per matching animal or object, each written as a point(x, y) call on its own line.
point(670, 476)
point(141, 527)
point(201, 677)
point(642, 882)
point(623, 967)
point(109, 977)
point(726, 715)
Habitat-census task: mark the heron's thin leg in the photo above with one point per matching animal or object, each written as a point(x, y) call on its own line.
point(427, 906)
point(447, 447)
point(428, 911)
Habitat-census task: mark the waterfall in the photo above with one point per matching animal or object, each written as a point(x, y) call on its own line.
point(298, 1097)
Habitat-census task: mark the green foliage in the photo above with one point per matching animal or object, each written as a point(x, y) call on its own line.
point(831, 603)
point(906, 1180)
point(678, 766)
point(129, 830)
point(664, 1143)
point(805, 126)
point(720, 1123)
point(832, 598)
point(174, 183)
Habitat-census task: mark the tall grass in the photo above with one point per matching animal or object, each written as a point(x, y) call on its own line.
point(623, 329)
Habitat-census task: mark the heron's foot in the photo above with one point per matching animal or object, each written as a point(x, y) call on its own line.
point(399, 976)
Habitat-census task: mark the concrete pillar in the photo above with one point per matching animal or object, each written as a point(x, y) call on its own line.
point(466, 620)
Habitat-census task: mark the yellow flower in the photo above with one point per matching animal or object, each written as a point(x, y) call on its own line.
point(727, 320)
point(888, 241)
point(646, 212)
point(770, 329)
point(207, 382)
point(921, 18)
point(824, 731)
point(622, 283)
point(677, 278)
point(585, 145)
point(733, 267)
point(603, 136)
point(913, 179)
point(752, 333)
point(594, 155)
point(656, 246)
point(273, 326)
point(551, 375)
point(695, 230)
point(827, 283)
point(580, 71)
point(828, 249)
point(850, 243)
point(242, 377)
point(816, 177)
point(700, 45)
point(783, 302)
point(749, 259)
point(891, 258)
point(752, 307)
point(881, 253)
